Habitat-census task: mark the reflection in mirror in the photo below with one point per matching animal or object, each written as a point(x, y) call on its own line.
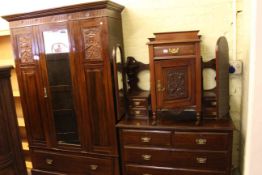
point(144, 80)
point(60, 85)
point(209, 79)
point(120, 85)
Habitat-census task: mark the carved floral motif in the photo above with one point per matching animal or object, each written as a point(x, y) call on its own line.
point(92, 43)
point(25, 48)
point(176, 84)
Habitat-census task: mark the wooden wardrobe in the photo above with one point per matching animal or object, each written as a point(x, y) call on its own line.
point(11, 155)
point(67, 62)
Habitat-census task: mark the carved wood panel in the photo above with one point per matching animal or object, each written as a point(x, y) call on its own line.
point(92, 43)
point(175, 83)
point(91, 31)
point(24, 45)
point(31, 95)
point(25, 48)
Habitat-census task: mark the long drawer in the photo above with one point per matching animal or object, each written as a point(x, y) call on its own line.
point(71, 165)
point(146, 138)
point(201, 140)
point(149, 170)
point(39, 172)
point(205, 160)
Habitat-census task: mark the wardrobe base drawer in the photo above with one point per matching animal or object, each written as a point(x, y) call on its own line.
point(71, 165)
point(150, 170)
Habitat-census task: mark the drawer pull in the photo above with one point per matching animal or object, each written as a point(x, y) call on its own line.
point(93, 167)
point(201, 160)
point(145, 139)
point(49, 161)
point(137, 112)
point(146, 157)
point(201, 141)
point(147, 174)
point(137, 103)
point(173, 50)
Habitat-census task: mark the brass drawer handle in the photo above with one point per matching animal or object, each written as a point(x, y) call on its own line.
point(49, 161)
point(137, 103)
point(146, 157)
point(201, 141)
point(171, 50)
point(93, 167)
point(145, 139)
point(201, 160)
point(137, 112)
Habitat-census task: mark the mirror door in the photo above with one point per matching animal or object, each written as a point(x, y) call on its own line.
point(59, 92)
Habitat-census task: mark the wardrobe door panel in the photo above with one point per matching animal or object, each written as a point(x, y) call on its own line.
point(96, 96)
point(98, 114)
point(30, 83)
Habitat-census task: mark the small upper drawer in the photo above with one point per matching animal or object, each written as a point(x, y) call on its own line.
point(201, 140)
point(138, 103)
point(71, 164)
point(146, 138)
point(174, 50)
point(137, 112)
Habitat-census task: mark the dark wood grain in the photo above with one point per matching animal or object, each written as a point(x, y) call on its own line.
point(11, 155)
point(176, 147)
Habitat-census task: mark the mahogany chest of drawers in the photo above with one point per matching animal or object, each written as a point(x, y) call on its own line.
point(175, 148)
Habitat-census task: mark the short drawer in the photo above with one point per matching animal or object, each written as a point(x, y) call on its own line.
point(149, 170)
point(146, 138)
point(201, 140)
point(137, 112)
point(177, 159)
point(174, 50)
point(138, 103)
point(47, 161)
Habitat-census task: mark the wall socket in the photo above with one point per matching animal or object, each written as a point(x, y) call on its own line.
point(235, 67)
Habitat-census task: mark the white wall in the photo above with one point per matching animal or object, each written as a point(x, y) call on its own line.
point(253, 153)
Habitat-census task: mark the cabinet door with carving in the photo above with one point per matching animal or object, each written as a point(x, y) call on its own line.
point(30, 84)
point(175, 83)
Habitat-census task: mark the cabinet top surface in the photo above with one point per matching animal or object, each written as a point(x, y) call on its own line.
point(99, 4)
point(223, 125)
point(175, 37)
